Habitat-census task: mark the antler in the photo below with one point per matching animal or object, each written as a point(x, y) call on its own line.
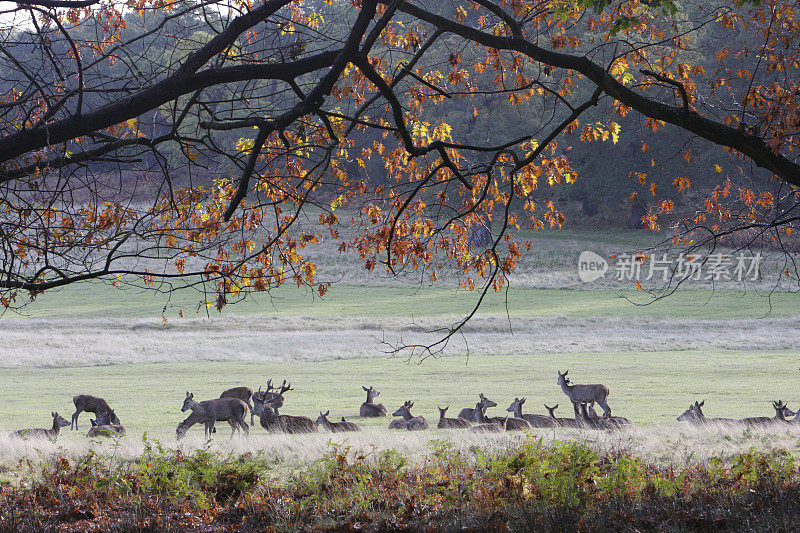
point(284, 388)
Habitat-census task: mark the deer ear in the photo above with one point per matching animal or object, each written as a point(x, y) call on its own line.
point(327, 412)
point(701, 403)
point(363, 387)
point(53, 414)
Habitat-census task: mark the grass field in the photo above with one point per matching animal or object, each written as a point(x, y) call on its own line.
point(737, 349)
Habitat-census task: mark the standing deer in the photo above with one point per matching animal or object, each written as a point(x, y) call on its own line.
point(90, 404)
point(485, 425)
point(470, 414)
point(450, 423)
point(193, 419)
point(275, 423)
point(370, 408)
point(210, 411)
point(244, 394)
point(562, 422)
point(336, 427)
point(274, 399)
point(105, 429)
point(41, 433)
point(537, 421)
point(585, 393)
point(408, 421)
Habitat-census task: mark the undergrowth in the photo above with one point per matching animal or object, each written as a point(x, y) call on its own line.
point(560, 486)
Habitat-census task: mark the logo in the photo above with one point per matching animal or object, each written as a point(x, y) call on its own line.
point(591, 266)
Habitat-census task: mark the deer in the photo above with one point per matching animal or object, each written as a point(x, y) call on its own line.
point(275, 423)
point(485, 425)
point(105, 429)
point(451, 423)
point(537, 421)
point(244, 394)
point(275, 399)
point(408, 421)
point(562, 422)
point(336, 427)
point(585, 393)
point(370, 409)
point(618, 421)
point(90, 404)
point(210, 411)
point(694, 415)
point(781, 411)
point(470, 414)
point(42, 433)
point(193, 419)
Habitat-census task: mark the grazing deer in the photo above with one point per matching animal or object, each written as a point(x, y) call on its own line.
point(370, 408)
point(193, 419)
point(562, 422)
point(105, 430)
point(450, 423)
point(210, 411)
point(537, 421)
point(244, 394)
point(780, 416)
point(90, 404)
point(41, 433)
point(485, 425)
point(585, 393)
point(274, 399)
point(336, 427)
point(275, 423)
point(408, 421)
point(470, 414)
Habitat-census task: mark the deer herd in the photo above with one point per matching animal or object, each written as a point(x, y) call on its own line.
point(233, 405)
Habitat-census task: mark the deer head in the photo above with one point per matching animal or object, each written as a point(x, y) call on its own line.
point(187, 403)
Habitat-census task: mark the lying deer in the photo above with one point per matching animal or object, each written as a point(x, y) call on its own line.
point(562, 422)
point(470, 414)
point(41, 433)
point(242, 393)
point(275, 423)
point(694, 415)
point(210, 411)
point(336, 427)
point(485, 425)
point(617, 421)
point(537, 421)
point(371, 409)
point(450, 423)
point(274, 399)
point(105, 429)
point(90, 404)
point(781, 411)
point(585, 393)
point(408, 421)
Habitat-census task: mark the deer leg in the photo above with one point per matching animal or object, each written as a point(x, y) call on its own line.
point(606, 409)
point(232, 423)
point(249, 406)
point(75, 419)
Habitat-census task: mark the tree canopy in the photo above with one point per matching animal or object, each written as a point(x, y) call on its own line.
point(177, 144)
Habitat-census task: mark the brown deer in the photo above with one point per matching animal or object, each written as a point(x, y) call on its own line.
point(193, 419)
point(537, 421)
point(408, 421)
point(275, 423)
point(336, 427)
point(105, 429)
point(274, 399)
point(371, 409)
point(41, 433)
point(451, 423)
point(585, 393)
point(90, 404)
point(484, 425)
point(562, 422)
point(781, 411)
point(617, 421)
point(244, 394)
point(694, 415)
point(210, 411)
point(470, 414)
